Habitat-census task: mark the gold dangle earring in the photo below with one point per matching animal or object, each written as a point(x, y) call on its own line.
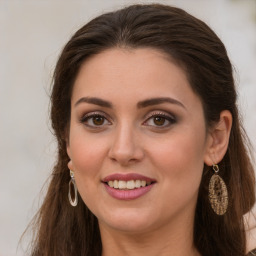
point(72, 183)
point(218, 193)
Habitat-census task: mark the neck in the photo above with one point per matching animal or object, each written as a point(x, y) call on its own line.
point(176, 241)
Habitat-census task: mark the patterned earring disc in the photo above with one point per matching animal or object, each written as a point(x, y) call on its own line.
point(218, 194)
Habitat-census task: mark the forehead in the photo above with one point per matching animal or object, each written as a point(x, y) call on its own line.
point(132, 73)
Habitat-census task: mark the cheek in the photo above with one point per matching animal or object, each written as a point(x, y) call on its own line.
point(85, 150)
point(87, 159)
point(87, 163)
point(87, 154)
point(181, 160)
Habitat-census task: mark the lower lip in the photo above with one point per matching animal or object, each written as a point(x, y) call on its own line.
point(128, 194)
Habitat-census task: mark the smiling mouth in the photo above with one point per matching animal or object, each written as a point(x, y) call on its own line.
point(128, 185)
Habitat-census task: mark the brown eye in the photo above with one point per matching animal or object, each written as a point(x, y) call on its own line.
point(159, 121)
point(95, 120)
point(98, 120)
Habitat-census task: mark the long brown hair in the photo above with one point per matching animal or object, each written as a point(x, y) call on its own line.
point(191, 44)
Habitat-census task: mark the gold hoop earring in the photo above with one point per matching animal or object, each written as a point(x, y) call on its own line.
point(72, 183)
point(218, 193)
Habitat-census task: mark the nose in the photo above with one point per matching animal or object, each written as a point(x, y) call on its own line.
point(126, 147)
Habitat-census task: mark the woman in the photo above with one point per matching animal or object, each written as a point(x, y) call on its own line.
point(144, 112)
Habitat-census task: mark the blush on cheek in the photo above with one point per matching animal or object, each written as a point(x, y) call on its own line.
point(83, 153)
point(182, 162)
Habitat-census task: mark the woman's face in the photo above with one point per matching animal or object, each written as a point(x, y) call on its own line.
point(137, 140)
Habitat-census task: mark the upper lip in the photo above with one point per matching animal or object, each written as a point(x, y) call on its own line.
point(127, 177)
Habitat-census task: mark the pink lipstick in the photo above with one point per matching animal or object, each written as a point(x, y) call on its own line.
point(127, 186)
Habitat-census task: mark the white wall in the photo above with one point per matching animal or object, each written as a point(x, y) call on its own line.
point(32, 34)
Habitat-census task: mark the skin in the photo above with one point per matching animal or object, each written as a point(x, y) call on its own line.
point(127, 139)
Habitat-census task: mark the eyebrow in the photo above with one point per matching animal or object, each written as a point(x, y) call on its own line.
point(157, 101)
point(140, 104)
point(95, 101)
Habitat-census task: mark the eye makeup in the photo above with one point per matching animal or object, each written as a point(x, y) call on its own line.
point(95, 120)
point(159, 119)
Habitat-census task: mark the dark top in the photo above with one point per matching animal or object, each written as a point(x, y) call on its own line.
point(252, 253)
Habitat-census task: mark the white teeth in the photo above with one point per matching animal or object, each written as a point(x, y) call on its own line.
point(137, 183)
point(122, 184)
point(115, 184)
point(111, 184)
point(130, 184)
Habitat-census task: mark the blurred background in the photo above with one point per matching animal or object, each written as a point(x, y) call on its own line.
point(32, 34)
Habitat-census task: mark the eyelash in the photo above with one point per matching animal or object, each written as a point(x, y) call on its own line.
point(86, 118)
point(167, 117)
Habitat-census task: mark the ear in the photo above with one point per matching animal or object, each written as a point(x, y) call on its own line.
point(68, 151)
point(71, 166)
point(218, 139)
point(66, 138)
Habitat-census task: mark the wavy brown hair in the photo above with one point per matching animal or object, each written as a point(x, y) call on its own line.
point(191, 44)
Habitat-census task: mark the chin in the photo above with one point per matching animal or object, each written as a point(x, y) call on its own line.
point(128, 227)
point(132, 222)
